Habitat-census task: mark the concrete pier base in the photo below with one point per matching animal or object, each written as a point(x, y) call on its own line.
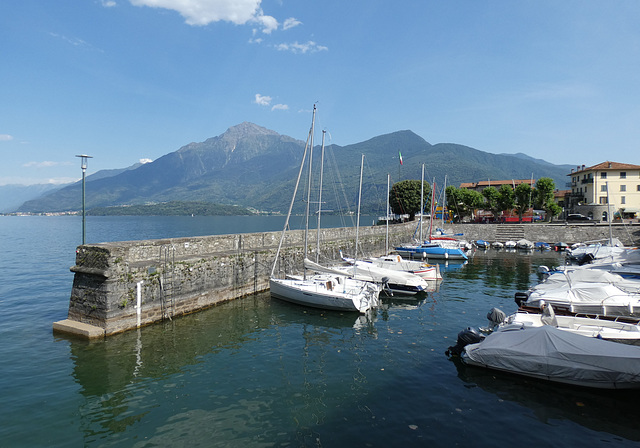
point(76, 328)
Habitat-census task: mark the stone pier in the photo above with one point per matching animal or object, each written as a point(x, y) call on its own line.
point(124, 285)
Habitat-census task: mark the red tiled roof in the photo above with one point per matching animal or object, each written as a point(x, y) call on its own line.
point(608, 166)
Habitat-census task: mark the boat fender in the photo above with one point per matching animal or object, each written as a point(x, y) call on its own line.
point(496, 316)
point(465, 337)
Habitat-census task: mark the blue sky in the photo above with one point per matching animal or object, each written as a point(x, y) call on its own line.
point(126, 80)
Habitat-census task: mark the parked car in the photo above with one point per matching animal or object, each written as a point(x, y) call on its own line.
point(578, 217)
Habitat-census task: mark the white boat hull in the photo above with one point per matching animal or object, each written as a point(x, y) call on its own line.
point(327, 292)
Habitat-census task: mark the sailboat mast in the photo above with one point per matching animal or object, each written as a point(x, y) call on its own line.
point(609, 217)
point(320, 197)
point(421, 201)
point(359, 200)
point(444, 199)
point(306, 225)
point(433, 206)
point(386, 244)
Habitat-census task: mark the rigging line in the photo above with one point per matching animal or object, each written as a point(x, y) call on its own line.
point(373, 185)
point(340, 183)
point(286, 224)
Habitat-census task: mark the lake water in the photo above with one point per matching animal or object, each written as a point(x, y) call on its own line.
point(257, 372)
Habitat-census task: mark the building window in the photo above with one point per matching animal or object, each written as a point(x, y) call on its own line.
point(623, 188)
point(623, 200)
point(637, 187)
point(603, 199)
point(603, 188)
point(623, 174)
point(603, 175)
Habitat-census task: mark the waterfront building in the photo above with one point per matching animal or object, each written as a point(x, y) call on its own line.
point(603, 189)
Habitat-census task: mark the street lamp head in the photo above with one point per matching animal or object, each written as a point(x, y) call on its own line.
point(83, 160)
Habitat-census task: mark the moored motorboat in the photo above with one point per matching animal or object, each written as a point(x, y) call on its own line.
point(548, 353)
point(594, 327)
point(524, 244)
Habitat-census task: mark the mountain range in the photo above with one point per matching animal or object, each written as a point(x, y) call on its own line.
point(254, 167)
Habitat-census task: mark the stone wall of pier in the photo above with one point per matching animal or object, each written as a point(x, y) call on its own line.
point(171, 277)
point(122, 285)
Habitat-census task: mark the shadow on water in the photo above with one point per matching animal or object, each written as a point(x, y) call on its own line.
point(253, 369)
point(613, 412)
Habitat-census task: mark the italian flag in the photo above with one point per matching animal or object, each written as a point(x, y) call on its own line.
point(400, 154)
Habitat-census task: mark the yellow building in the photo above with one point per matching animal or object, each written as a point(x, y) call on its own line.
point(608, 187)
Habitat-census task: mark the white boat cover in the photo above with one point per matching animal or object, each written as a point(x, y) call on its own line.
point(598, 294)
point(551, 354)
point(575, 276)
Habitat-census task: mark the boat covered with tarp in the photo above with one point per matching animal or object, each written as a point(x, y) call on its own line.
point(548, 353)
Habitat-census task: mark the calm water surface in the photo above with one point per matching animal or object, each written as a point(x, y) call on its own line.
point(261, 373)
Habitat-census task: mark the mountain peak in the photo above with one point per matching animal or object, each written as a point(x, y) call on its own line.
point(245, 129)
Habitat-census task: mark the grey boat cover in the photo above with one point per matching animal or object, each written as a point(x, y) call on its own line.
point(549, 353)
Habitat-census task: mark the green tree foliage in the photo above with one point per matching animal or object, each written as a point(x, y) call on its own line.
point(543, 197)
point(506, 198)
point(404, 197)
point(491, 200)
point(523, 197)
point(463, 201)
point(553, 210)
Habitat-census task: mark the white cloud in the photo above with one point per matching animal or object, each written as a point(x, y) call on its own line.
point(309, 47)
point(143, 161)
point(5, 137)
point(290, 23)
point(108, 3)
point(262, 100)
point(204, 12)
point(14, 180)
point(45, 164)
point(268, 23)
point(280, 107)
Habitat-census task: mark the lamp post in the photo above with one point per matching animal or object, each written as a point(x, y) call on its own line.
point(83, 165)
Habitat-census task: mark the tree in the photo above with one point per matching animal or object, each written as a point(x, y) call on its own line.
point(506, 198)
point(523, 194)
point(543, 196)
point(553, 210)
point(491, 200)
point(404, 197)
point(463, 201)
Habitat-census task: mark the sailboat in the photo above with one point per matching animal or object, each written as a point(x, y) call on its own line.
point(397, 263)
point(396, 281)
point(330, 289)
point(435, 247)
